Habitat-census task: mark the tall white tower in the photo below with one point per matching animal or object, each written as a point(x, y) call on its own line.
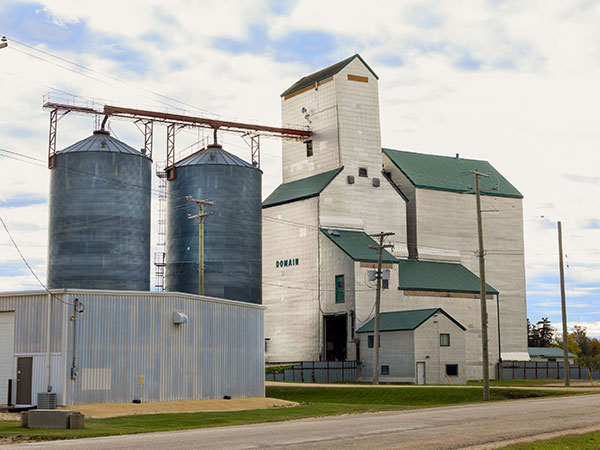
point(340, 104)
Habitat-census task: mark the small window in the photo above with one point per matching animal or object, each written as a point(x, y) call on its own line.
point(444, 340)
point(371, 341)
point(339, 289)
point(385, 284)
point(309, 148)
point(452, 370)
point(362, 172)
point(385, 370)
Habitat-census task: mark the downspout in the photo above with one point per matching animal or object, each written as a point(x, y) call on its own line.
point(48, 338)
point(320, 321)
point(499, 342)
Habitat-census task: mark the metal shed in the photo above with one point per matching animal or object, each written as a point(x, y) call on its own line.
point(119, 346)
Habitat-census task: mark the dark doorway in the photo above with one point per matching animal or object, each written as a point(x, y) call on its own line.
point(24, 373)
point(335, 337)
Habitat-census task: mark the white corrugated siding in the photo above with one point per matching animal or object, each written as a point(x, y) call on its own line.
point(7, 335)
point(29, 339)
point(121, 337)
point(124, 335)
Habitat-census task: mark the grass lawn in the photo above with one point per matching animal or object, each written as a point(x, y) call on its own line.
point(534, 382)
point(315, 401)
point(587, 441)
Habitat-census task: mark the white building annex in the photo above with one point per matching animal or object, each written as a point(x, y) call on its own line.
point(120, 346)
point(411, 351)
point(340, 187)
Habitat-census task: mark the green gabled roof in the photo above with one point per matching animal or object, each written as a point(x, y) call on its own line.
point(404, 320)
point(356, 245)
point(438, 276)
point(549, 352)
point(445, 173)
point(301, 189)
point(324, 73)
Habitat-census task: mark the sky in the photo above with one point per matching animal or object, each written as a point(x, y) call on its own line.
point(511, 82)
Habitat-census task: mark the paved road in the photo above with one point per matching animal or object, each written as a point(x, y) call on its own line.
point(575, 387)
point(434, 428)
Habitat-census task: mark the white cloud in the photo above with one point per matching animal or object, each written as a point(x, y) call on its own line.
point(530, 108)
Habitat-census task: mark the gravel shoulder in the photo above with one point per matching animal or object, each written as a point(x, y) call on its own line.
point(104, 410)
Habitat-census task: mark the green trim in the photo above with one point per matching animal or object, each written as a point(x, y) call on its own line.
point(434, 276)
point(356, 245)
point(327, 74)
point(301, 189)
point(405, 320)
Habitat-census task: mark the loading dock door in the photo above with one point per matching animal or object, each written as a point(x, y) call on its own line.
point(7, 336)
point(24, 374)
point(335, 337)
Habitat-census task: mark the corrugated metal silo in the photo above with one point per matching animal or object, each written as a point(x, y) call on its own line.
point(232, 243)
point(99, 230)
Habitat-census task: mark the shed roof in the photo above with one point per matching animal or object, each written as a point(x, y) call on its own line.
point(301, 189)
point(356, 245)
point(213, 155)
point(404, 320)
point(101, 141)
point(450, 174)
point(548, 352)
point(438, 276)
point(324, 73)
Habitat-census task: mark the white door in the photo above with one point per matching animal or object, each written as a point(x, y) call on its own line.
point(420, 373)
point(7, 337)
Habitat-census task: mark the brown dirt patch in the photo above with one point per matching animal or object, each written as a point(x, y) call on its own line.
point(103, 410)
point(10, 416)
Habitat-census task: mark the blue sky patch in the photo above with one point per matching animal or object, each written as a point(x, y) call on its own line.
point(31, 24)
point(465, 61)
point(593, 223)
point(281, 7)
point(313, 48)
point(391, 60)
point(13, 269)
point(424, 18)
point(25, 199)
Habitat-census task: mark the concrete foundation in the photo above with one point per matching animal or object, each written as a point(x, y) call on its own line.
point(52, 418)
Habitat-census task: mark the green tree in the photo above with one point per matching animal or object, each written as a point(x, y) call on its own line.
point(589, 348)
point(545, 332)
point(571, 343)
point(541, 334)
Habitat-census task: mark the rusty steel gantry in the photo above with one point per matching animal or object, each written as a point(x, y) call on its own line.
point(145, 120)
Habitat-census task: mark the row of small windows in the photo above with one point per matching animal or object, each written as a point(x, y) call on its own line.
point(451, 370)
point(444, 340)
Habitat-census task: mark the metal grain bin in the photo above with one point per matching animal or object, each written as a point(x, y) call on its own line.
point(99, 230)
point(232, 236)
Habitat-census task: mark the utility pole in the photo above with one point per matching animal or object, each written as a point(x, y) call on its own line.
point(380, 247)
point(200, 216)
point(563, 305)
point(482, 293)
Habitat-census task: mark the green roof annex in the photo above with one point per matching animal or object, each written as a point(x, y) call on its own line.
point(301, 189)
point(356, 245)
point(446, 173)
point(404, 320)
point(438, 276)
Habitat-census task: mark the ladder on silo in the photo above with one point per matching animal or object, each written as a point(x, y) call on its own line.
point(159, 256)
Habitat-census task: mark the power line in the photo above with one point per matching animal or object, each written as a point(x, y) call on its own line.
point(103, 74)
point(28, 265)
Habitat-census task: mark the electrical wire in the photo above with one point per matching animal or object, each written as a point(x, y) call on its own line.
point(572, 288)
point(28, 265)
point(112, 77)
